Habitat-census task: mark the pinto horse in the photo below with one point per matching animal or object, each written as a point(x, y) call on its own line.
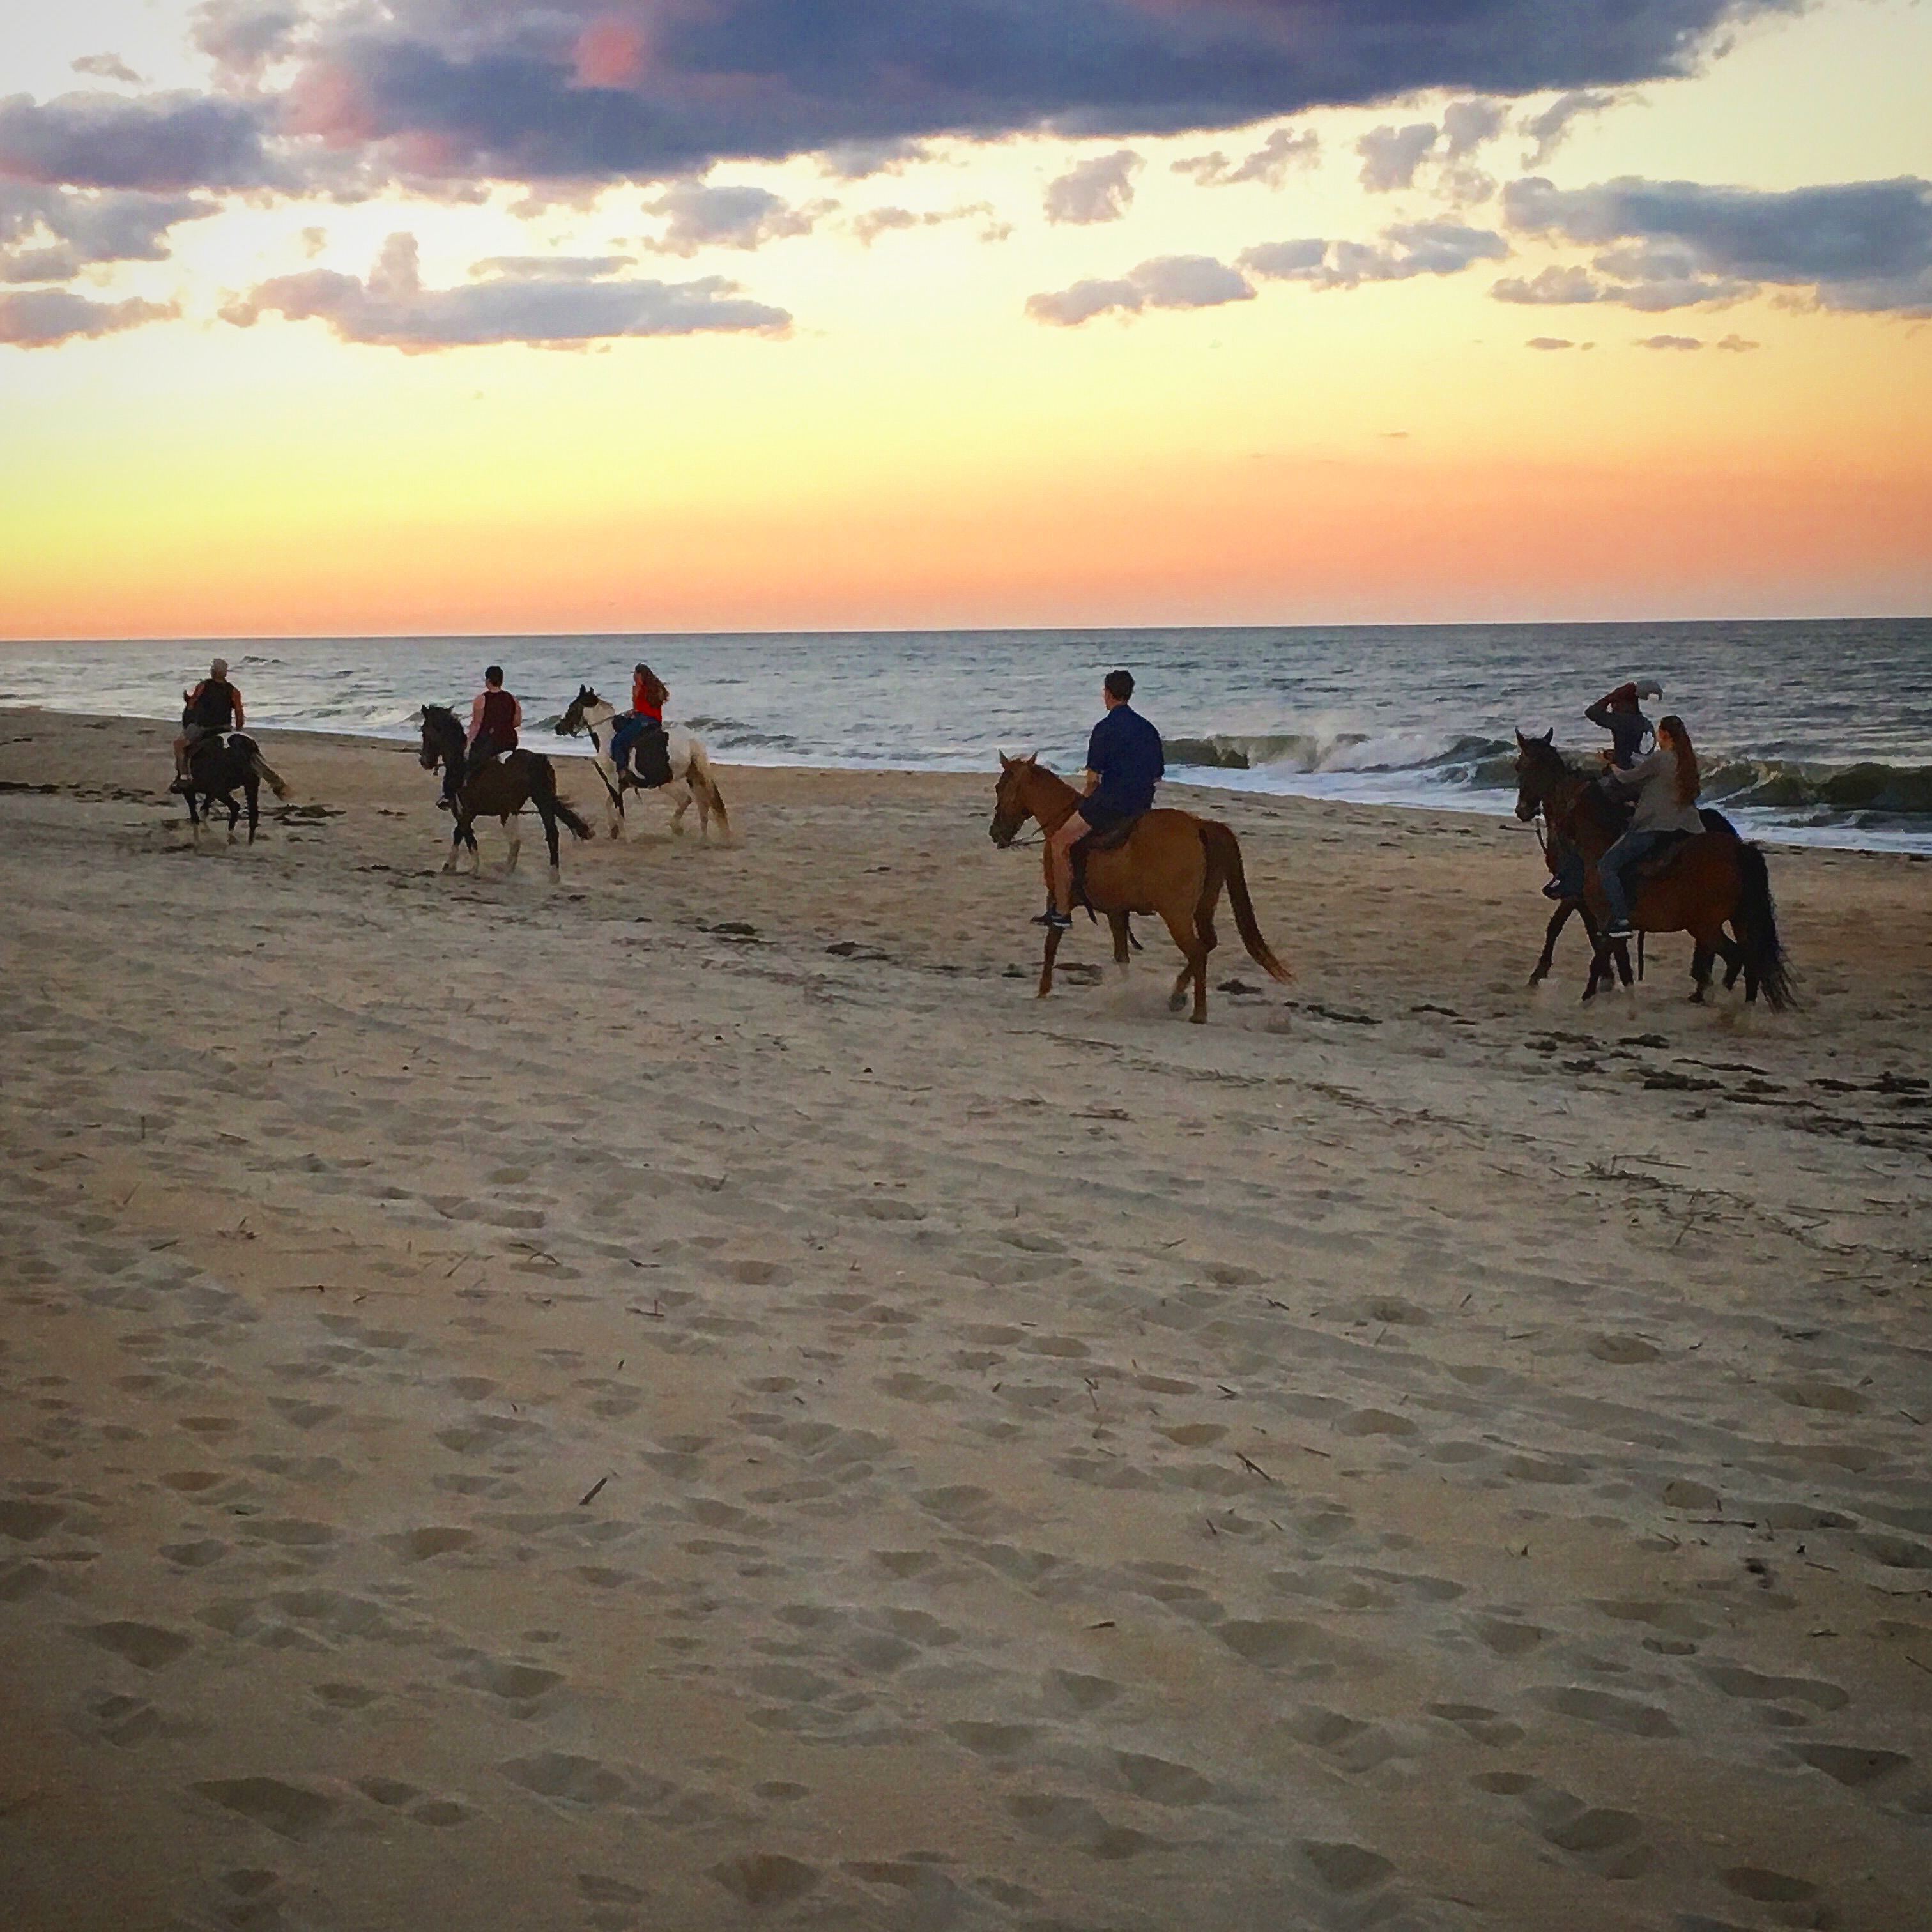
point(499, 788)
point(1711, 878)
point(1170, 863)
point(690, 767)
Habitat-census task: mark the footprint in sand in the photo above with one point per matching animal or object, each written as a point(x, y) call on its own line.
point(1615, 1714)
point(764, 1879)
point(144, 1645)
point(1065, 1820)
point(289, 1810)
point(1852, 1764)
point(1346, 1868)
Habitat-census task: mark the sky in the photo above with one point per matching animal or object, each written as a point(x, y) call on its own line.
point(333, 317)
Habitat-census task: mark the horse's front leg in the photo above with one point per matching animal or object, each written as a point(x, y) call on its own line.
point(683, 806)
point(455, 846)
point(1046, 962)
point(1559, 919)
point(1116, 922)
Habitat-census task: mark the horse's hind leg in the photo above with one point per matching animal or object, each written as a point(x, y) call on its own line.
point(1117, 924)
point(1701, 957)
point(1046, 962)
point(1733, 956)
point(690, 790)
point(549, 818)
point(234, 805)
point(1189, 940)
point(252, 786)
point(513, 831)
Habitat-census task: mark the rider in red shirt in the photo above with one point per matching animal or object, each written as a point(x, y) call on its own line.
point(648, 695)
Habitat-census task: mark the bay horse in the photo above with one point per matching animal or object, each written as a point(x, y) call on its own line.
point(499, 789)
point(215, 766)
point(690, 766)
point(1710, 878)
point(1171, 862)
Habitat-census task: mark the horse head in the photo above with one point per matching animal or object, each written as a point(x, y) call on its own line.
point(439, 726)
point(1538, 765)
point(571, 722)
point(1010, 808)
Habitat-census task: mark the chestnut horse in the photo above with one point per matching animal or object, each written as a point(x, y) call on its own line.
point(1711, 877)
point(1170, 863)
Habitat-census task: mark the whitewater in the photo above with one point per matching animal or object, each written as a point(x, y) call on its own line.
point(1815, 732)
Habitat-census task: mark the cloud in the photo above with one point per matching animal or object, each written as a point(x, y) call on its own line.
point(610, 89)
point(1738, 344)
point(107, 67)
point(859, 160)
point(1549, 128)
point(1101, 190)
point(160, 141)
point(45, 318)
point(1408, 249)
point(1549, 342)
point(578, 303)
point(1270, 164)
point(698, 217)
point(244, 36)
point(1168, 281)
point(873, 222)
point(1391, 155)
point(51, 234)
point(1668, 342)
point(1468, 124)
point(1861, 247)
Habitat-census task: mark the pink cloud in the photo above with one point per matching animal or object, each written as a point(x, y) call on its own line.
point(610, 53)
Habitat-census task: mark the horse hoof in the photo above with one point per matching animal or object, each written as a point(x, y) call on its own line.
point(555, 876)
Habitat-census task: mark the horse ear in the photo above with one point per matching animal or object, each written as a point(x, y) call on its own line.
point(1521, 742)
point(1006, 763)
point(1550, 736)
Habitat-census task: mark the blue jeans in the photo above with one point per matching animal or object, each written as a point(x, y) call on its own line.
point(1628, 849)
point(628, 729)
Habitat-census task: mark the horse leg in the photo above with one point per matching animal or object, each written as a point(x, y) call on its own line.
point(1189, 940)
point(1046, 962)
point(1117, 924)
point(1620, 949)
point(455, 846)
point(549, 818)
point(252, 785)
point(1701, 956)
point(684, 806)
point(1559, 919)
point(234, 805)
point(513, 831)
point(1733, 956)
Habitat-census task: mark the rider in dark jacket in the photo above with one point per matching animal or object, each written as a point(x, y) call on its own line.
point(212, 708)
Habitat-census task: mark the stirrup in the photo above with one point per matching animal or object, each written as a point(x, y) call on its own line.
point(1054, 920)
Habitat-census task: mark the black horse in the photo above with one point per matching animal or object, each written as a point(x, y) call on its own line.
point(498, 788)
point(215, 767)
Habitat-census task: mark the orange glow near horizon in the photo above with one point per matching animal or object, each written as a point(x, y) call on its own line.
point(917, 453)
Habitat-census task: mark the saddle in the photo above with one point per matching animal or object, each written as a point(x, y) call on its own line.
point(1658, 861)
point(648, 761)
point(1083, 849)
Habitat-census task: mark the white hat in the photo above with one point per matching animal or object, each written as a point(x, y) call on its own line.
point(1648, 687)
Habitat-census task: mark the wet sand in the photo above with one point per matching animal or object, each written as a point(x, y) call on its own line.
point(687, 1398)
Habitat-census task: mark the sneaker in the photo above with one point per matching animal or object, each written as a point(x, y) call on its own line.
point(1619, 928)
point(1054, 920)
point(1554, 890)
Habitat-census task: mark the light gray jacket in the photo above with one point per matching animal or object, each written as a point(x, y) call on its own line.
point(1654, 779)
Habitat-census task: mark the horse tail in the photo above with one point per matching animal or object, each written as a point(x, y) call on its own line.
point(1757, 927)
point(701, 773)
point(268, 774)
point(1224, 855)
point(543, 789)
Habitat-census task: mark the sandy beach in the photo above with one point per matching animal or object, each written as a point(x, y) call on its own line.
point(688, 1398)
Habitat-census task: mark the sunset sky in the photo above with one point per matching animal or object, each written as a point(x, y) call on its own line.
point(475, 315)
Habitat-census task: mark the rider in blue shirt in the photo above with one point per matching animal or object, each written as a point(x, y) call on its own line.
point(1124, 764)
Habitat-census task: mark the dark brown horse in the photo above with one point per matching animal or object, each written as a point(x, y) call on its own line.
point(499, 788)
point(216, 766)
point(1170, 863)
point(1710, 878)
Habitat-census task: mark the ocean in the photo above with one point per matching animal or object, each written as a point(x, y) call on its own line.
point(1814, 732)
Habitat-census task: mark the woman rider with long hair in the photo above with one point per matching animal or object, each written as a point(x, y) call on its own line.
point(1666, 785)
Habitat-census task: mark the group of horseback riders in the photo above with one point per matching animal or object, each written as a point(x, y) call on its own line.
point(496, 717)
